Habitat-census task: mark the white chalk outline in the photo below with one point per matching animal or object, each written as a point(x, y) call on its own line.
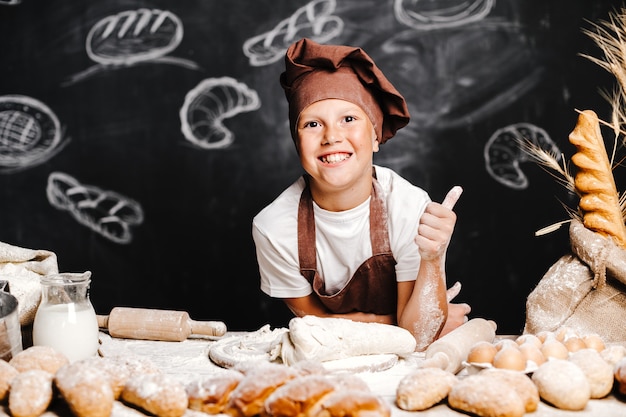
point(466, 12)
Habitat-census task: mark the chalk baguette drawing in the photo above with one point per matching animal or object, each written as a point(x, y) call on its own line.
point(105, 212)
point(429, 15)
point(314, 20)
point(133, 36)
point(504, 152)
point(207, 106)
point(30, 133)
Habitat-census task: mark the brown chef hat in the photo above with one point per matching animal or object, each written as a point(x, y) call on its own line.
point(316, 72)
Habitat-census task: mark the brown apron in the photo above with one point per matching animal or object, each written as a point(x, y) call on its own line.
point(373, 287)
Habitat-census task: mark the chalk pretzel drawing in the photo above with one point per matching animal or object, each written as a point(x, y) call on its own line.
point(313, 20)
point(30, 133)
point(428, 15)
point(207, 106)
point(503, 152)
point(105, 212)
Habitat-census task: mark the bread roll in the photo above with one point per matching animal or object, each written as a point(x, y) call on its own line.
point(31, 393)
point(210, 395)
point(7, 373)
point(599, 373)
point(424, 388)
point(563, 384)
point(351, 404)
point(483, 396)
point(518, 381)
point(248, 398)
point(599, 199)
point(39, 357)
point(157, 393)
point(619, 372)
point(86, 389)
point(296, 397)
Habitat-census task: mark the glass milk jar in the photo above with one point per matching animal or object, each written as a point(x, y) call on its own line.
point(65, 319)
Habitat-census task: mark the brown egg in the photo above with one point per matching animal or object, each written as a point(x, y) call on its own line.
point(574, 343)
point(529, 338)
point(501, 344)
point(545, 335)
point(482, 352)
point(532, 353)
point(510, 358)
point(594, 341)
point(552, 348)
point(564, 332)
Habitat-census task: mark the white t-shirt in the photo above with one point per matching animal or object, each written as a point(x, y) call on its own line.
point(342, 238)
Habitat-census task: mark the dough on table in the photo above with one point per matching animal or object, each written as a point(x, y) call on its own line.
point(326, 338)
point(423, 388)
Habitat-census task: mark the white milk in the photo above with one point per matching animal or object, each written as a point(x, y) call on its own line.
point(71, 329)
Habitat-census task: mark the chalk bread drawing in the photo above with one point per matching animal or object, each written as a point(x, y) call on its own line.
point(314, 20)
point(504, 152)
point(428, 15)
point(30, 133)
point(105, 212)
point(207, 106)
point(131, 37)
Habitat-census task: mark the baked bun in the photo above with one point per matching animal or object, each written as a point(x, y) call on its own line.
point(31, 393)
point(298, 396)
point(210, 395)
point(248, 398)
point(86, 389)
point(351, 404)
point(39, 357)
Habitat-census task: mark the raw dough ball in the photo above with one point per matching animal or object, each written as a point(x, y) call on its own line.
point(599, 373)
point(39, 357)
point(563, 384)
point(31, 393)
point(424, 388)
point(518, 381)
point(483, 396)
point(7, 373)
point(86, 389)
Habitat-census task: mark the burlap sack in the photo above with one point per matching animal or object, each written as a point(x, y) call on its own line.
point(584, 290)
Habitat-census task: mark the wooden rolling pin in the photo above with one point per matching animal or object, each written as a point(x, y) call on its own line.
point(151, 324)
point(449, 351)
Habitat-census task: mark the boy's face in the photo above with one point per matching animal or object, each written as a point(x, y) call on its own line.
point(336, 142)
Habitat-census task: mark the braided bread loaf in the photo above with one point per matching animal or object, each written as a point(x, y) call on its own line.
point(599, 200)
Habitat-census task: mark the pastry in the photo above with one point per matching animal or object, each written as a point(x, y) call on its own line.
point(350, 404)
point(7, 373)
point(248, 398)
point(563, 384)
point(298, 396)
point(158, 394)
point(423, 388)
point(211, 394)
point(31, 393)
point(39, 357)
point(619, 372)
point(86, 389)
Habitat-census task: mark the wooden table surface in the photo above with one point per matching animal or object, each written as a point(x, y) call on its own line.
point(189, 360)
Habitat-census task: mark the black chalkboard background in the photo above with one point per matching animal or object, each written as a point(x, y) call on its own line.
point(120, 133)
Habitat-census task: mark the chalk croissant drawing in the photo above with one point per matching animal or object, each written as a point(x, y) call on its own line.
point(131, 37)
point(428, 15)
point(504, 152)
point(207, 106)
point(30, 133)
point(105, 212)
point(314, 20)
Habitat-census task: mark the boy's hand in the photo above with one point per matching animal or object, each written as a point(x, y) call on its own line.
point(436, 226)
